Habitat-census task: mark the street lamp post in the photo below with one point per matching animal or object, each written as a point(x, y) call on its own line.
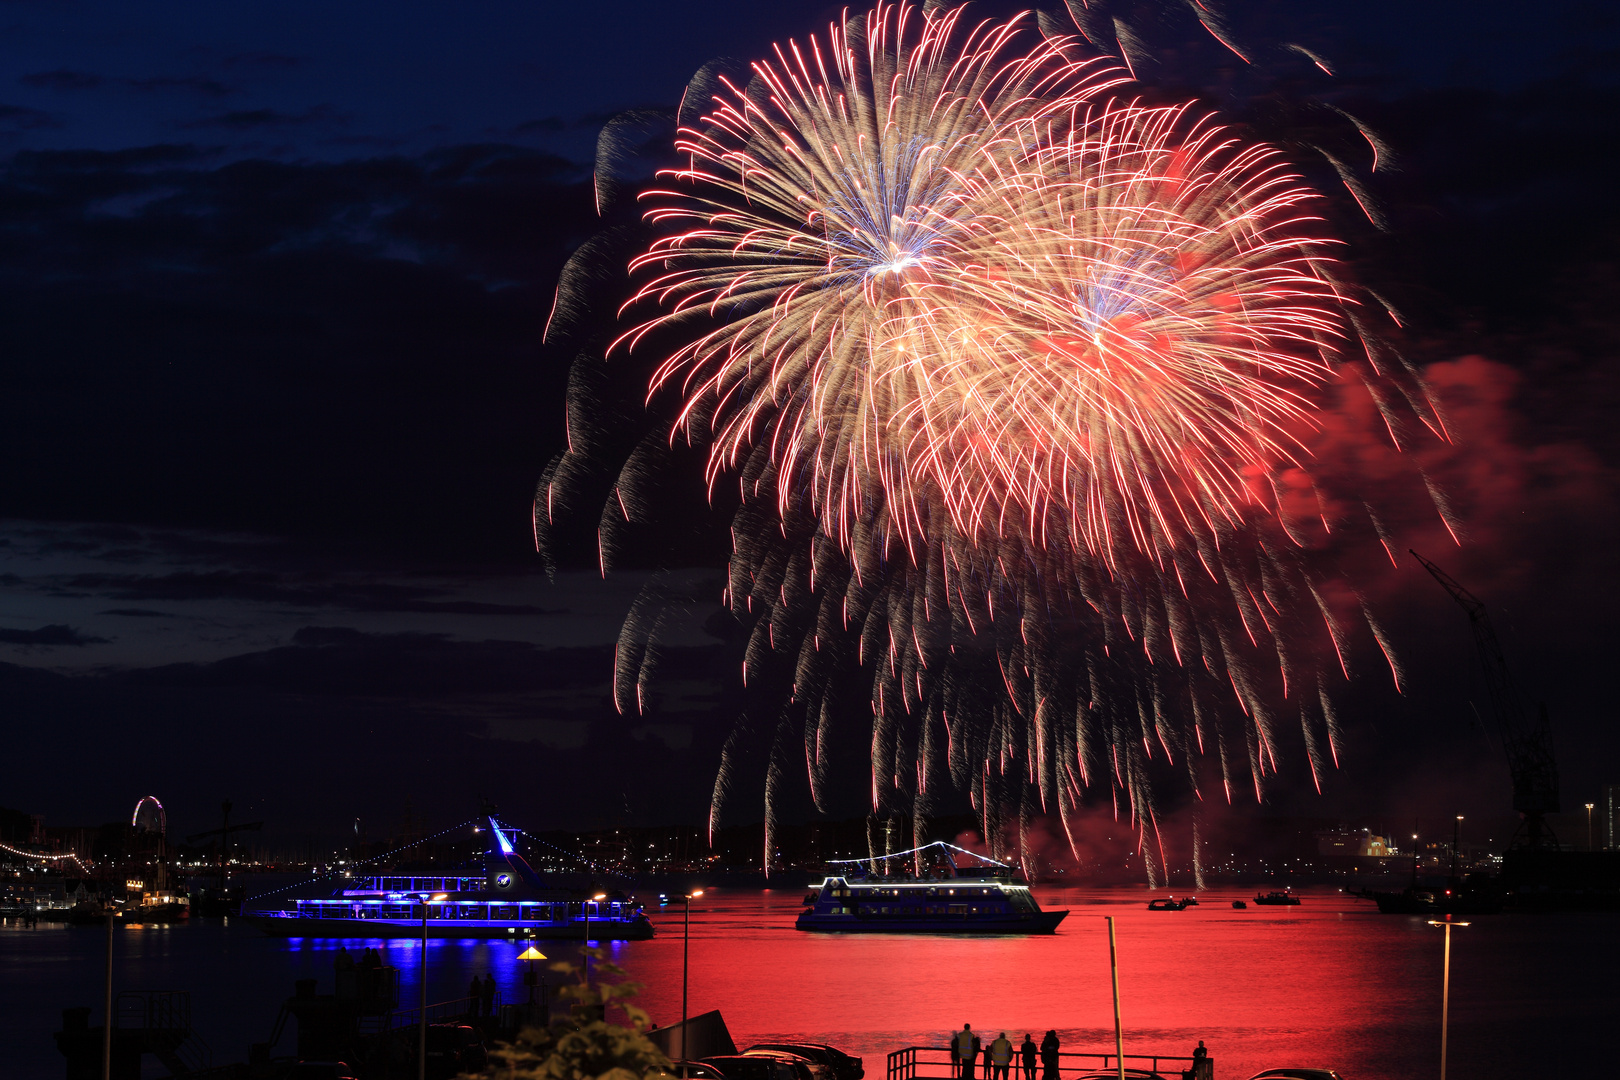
point(585, 909)
point(106, 1034)
point(1445, 990)
point(421, 987)
point(531, 954)
point(1589, 825)
point(1119, 1031)
point(686, 956)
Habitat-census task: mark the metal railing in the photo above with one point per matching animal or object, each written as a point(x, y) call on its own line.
point(438, 1012)
point(935, 1063)
point(165, 1018)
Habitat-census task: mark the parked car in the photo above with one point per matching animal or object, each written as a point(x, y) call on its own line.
point(453, 1049)
point(762, 1066)
point(696, 1070)
point(1297, 1074)
point(844, 1066)
point(1113, 1074)
point(819, 1069)
point(321, 1070)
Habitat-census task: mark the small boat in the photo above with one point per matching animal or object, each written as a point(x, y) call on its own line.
point(1456, 899)
point(1240, 905)
point(506, 899)
point(962, 901)
point(1167, 903)
point(1277, 899)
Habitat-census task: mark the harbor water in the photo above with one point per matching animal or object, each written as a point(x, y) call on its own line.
point(1330, 983)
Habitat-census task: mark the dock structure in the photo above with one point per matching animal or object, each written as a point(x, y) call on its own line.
point(361, 1023)
point(936, 1063)
point(144, 1022)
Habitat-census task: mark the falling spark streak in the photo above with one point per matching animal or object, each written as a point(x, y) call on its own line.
point(970, 323)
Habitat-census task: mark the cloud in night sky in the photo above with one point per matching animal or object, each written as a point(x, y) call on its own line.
point(49, 635)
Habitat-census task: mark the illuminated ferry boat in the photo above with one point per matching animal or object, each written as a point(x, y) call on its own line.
point(507, 900)
point(954, 901)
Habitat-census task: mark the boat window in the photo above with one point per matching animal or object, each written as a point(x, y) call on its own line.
point(502, 911)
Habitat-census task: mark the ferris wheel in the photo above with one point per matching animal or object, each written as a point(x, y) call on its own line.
point(149, 816)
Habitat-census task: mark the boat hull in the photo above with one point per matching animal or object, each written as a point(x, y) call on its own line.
point(1040, 922)
point(289, 926)
point(1418, 902)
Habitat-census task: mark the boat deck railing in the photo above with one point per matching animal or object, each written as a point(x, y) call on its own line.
point(935, 1063)
point(451, 910)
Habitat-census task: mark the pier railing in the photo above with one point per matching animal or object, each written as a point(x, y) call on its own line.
point(439, 1012)
point(935, 1063)
point(163, 1020)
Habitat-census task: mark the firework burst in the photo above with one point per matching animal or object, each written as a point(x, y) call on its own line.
point(1016, 375)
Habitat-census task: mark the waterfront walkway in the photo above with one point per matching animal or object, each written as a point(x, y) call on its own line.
point(934, 1063)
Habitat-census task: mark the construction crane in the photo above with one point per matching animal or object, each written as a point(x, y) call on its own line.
point(1528, 744)
point(224, 834)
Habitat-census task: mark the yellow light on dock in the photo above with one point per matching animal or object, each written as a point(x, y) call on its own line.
point(531, 953)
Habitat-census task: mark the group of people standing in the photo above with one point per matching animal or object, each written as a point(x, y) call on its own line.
point(967, 1049)
point(481, 996)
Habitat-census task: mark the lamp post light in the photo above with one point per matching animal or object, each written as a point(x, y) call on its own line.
point(1119, 1030)
point(106, 1034)
point(1445, 990)
point(421, 989)
point(1589, 825)
point(585, 909)
point(686, 957)
point(531, 954)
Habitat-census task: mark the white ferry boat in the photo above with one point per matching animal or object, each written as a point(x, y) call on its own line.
point(507, 899)
point(955, 901)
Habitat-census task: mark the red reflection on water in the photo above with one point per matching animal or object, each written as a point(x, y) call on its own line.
point(1330, 984)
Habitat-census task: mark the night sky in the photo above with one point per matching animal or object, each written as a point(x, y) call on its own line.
point(274, 400)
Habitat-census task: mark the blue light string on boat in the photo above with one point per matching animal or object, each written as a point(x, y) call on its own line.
point(362, 862)
point(925, 847)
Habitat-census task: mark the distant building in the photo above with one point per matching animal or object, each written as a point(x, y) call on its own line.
point(1611, 817)
point(1353, 843)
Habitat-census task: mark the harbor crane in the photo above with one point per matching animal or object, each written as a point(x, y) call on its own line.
point(1527, 743)
point(224, 834)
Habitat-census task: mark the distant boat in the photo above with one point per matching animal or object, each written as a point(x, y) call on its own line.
point(1165, 903)
point(506, 898)
point(1457, 899)
point(1240, 905)
point(965, 902)
point(1277, 899)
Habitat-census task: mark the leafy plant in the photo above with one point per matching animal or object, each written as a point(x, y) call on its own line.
point(586, 1045)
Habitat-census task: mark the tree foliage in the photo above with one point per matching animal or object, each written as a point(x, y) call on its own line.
point(585, 1044)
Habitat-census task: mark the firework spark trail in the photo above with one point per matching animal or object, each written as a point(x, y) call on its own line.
point(1004, 359)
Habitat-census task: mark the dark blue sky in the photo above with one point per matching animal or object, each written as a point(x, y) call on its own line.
point(327, 81)
point(273, 398)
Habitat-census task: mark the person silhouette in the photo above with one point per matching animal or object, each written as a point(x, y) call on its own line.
point(1027, 1051)
point(1001, 1055)
point(962, 1052)
point(486, 996)
point(1049, 1056)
